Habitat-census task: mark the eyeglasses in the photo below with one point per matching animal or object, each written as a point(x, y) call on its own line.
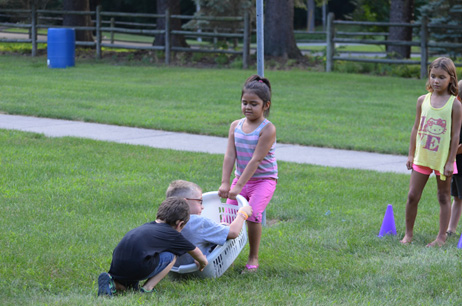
point(200, 200)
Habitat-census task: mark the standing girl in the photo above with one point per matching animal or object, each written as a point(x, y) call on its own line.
point(434, 142)
point(456, 185)
point(251, 143)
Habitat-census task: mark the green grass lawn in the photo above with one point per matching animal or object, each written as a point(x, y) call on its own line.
point(349, 111)
point(67, 202)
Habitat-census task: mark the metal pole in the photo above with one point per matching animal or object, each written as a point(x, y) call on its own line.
point(246, 41)
point(33, 29)
point(260, 41)
point(310, 5)
point(98, 32)
point(198, 8)
point(167, 36)
point(423, 47)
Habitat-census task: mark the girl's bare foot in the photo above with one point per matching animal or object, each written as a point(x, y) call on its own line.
point(406, 240)
point(437, 242)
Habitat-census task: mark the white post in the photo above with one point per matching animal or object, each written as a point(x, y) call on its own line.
point(260, 41)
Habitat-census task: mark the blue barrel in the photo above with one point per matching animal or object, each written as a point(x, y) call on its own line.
point(61, 48)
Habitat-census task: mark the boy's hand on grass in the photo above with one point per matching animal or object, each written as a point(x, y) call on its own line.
point(201, 265)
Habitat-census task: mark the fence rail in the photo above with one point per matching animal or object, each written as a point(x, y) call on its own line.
point(31, 18)
point(422, 41)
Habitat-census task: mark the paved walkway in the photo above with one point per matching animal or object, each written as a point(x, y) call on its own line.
point(198, 143)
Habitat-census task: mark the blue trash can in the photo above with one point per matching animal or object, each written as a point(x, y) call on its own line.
point(61, 48)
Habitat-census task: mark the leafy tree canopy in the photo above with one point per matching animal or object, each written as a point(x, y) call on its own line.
point(448, 12)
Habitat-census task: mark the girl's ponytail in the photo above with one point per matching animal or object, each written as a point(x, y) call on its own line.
point(261, 87)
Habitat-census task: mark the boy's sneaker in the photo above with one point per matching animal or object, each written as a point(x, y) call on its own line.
point(106, 284)
point(142, 290)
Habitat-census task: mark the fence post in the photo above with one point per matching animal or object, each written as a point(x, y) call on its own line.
point(167, 36)
point(246, 44)
point(423, 47)
point(33, 28)
point(215, 39)
point(112, 32)
point(330, 46)
point(98, 32)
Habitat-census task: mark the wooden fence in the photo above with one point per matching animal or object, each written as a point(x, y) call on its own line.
point(33, 15)
point(34, 19)
point(423, 41)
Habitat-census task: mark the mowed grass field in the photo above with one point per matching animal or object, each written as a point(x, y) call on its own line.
point(66, 202)
point(347, 111)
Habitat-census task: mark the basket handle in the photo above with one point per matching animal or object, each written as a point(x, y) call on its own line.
point(241, 200)
point(185, 268)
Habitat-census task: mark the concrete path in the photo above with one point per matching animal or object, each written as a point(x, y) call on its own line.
point(198, 143)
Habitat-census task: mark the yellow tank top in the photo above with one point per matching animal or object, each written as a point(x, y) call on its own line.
point(434, 135)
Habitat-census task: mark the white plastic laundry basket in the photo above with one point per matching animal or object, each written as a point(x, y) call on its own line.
point(221, 258)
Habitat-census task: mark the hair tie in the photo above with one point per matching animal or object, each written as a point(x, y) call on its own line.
point(260, 81)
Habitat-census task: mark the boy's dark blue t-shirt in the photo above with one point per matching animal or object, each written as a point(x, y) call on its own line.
point(135, 258)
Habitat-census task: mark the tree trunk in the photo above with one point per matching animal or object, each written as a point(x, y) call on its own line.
point(401, 11)
point(279, 29)
point(78, 20)
point(175, 24)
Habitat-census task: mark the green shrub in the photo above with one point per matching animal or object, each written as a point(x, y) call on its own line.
point(236, 63)
point(222, 59)
point(406, 71)
point(197, 57)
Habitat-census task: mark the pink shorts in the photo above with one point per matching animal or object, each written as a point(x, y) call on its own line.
point(428, 171)
point(258, 193)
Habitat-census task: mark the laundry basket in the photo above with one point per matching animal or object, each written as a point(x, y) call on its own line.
point(221, 258)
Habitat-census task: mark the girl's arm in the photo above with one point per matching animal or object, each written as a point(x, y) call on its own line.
point(415, 129)
point(265, 142)
point(455, 131)
point(228, 162)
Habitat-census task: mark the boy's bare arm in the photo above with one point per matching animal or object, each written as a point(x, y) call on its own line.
point(236, 226)
point(200, 259)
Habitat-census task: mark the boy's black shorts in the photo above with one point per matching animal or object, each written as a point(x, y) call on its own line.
point(456, 186)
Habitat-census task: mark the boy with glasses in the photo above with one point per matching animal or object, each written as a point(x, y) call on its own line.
point(201, 231)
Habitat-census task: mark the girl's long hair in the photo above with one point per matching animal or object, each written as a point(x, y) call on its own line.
point(447, 65)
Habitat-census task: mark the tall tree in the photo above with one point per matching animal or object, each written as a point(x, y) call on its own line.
point(279, 35)
point(220, 8)
point(175, 24)
point(446, 12)
point(401, 11)
point(78, 20)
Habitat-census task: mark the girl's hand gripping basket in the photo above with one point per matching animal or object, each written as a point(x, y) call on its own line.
point(221, 258)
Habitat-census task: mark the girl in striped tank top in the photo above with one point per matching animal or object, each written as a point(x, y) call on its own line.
point(251, 143)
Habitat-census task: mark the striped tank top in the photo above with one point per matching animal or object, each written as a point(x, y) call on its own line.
point(245, 144)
